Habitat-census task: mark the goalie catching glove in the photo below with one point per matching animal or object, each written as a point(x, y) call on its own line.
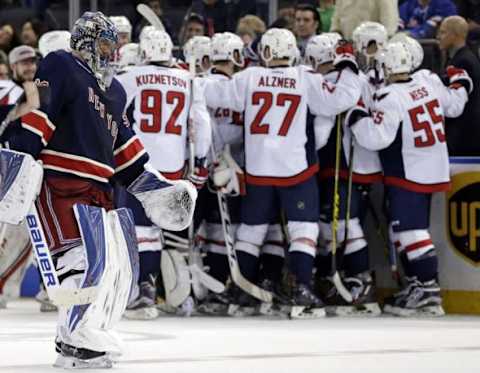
point(169, 204)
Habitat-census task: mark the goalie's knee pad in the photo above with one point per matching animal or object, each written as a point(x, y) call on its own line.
point(108, 261)
point(303, 230)
point(415, 243)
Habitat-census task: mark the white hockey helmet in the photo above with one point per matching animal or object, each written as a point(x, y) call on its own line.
point(334, 36)
point(156, 46)
point(145, 31)
point(367, 33)
point(53, 41)
point(198, 48)
point(122, 24)
point(129, 55)
point(223, 48)
point(413, 46)
point(396, 59)
point(281, 44)
point(320, 49)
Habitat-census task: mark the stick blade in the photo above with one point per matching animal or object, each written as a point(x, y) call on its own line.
point(150, 16)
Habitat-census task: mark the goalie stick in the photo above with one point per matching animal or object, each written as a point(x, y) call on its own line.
point(237, 277)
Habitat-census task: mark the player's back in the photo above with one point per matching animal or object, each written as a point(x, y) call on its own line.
point(420, 147)
point(158, 99)
point(275, 122)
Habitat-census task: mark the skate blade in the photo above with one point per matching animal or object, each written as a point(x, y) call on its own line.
point(67, 362)
point(48, 307)
point(363, 310)
point(302, 312)
point(235, 310)
point(145, 313)
point(275, 310)
point(427, 311)
point(213, 309)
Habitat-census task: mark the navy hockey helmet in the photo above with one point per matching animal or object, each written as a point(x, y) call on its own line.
point(94, 38)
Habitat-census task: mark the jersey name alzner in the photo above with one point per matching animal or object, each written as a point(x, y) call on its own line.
point(274, 81)
point(100, 107)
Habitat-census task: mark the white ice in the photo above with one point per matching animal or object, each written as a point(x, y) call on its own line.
point(258, 345)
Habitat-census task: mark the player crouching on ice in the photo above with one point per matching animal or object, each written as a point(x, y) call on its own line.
point(405, 125)
point(83, 140)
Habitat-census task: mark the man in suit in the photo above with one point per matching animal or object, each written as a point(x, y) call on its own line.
point(463, 133)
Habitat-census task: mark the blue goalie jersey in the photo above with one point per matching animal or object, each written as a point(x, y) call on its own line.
point(80, 130)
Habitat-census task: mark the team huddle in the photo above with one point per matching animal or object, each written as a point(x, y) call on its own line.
point(282, 155)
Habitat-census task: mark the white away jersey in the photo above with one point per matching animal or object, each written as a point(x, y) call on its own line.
point(275, 103)
point(407, 127)
point(158, 99)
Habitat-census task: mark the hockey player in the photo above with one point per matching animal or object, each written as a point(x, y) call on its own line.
point(124, 28)
point(84, 141)
point(366, 170)
point(198, 49)
point(15, 245)
point(158, 98)
point(275, 100)
point(406, 127)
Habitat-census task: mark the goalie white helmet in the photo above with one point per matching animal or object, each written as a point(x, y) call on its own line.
point(413, 46)
point(368, 33)
point(122, 24)
point(198, 49)
point(277, 44)
point(129, 55)
point(227, 47)
point(156, 46)
point(396, 59)
point(53, 41)
point(320, 50)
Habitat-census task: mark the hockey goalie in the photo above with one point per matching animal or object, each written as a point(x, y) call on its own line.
point(56, 175)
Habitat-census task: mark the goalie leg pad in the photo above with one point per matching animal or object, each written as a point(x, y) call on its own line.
point(108, 260)
point(176, 277)
point(20, 182)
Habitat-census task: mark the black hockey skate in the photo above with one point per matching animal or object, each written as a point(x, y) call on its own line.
point(242, 304)
point(143, 308)
point(305, 304)
point(417, 299)
point(280, 305)
point(71, 357)
point(215, 304)
point(363, 292)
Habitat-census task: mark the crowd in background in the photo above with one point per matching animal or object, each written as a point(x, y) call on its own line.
point(23, 22)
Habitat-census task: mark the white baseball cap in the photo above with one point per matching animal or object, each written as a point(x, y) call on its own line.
point(21, 53)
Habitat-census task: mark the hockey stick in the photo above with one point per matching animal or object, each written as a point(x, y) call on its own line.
point(349, 198)
point(335, 277)
point(59, 296)
point(237, 277)
point(389, 247)
point(150, 16)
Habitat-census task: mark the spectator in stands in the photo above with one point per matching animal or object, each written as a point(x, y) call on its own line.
point(32, 29)
point(307, 21)
point(250, 27)
point(349, 14)
point(8, 37)
point(421, 18)
point(470, 10)
point(215, 14)
point(193, 25)
point(463, 133)
point(326, 9)
point(4, 73)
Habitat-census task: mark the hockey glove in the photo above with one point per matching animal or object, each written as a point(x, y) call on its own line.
point(355, 114)
point(199, 175)
point(459, 77)
point(345, 57)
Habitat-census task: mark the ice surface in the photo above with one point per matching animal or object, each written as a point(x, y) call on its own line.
point(258, 345)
